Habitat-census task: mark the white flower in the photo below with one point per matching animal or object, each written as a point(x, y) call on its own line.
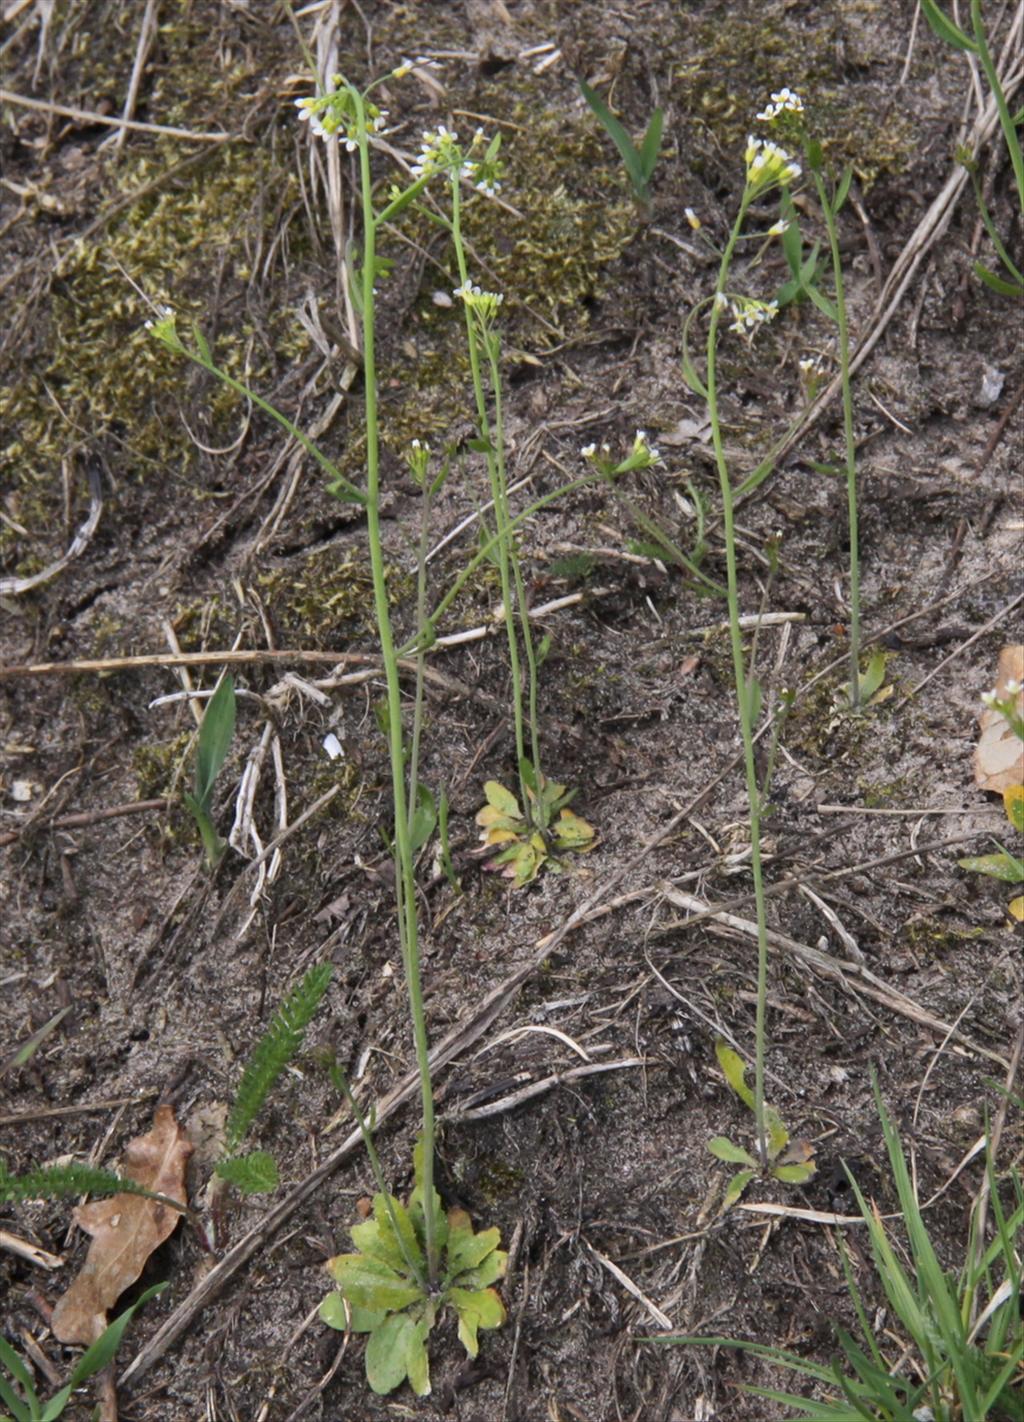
point(1012, 687)
point(784, 101)
point(692, 218)
point(777, 228)
point(588, 451)
point(721, 300)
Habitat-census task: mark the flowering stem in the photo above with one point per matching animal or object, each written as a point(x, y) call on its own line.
point(743, 696)
point(405, 887)
point(494, 456)
point(851, 448)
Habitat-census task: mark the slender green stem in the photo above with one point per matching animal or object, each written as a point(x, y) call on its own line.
point(505, 523)
point(743, 698)
point(377, 1171)
point(851, 447)
point(504, 541)
point(1005, 117)
point(484, 552)
point(421, 617)
point(405, 888)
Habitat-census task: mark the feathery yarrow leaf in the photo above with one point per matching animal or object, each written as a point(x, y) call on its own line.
point(272, 1053)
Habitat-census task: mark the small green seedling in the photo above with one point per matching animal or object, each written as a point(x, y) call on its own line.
point(384, 1291)
point(788, 1161)
point(17, 1390)
point(526, 846)
point(256, 1173)
point(954, 1345)
point(975, 44)
point(1004, 865)
point(215, 733)
point(639, 162)
point(871, 687)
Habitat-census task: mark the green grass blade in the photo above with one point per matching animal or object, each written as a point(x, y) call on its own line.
point(946, 30)
point(215, 735)
point(615, 131)
point(651, 145)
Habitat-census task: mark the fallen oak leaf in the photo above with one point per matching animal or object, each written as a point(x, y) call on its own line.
point(125, 1229)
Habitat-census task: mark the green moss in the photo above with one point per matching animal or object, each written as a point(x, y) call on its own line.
point(157, 765)
point(740, 54)
point(327, 598)
point(497, 1181)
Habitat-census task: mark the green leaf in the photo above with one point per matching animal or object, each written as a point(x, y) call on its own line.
point(213, 845)
point(489, 1272)
point(824, 303)
point(996, 282)
point(272, 1053)
point(480, 1308)
point(1013, 804)
point(778, 1136)
point(203, 346)
point(467, 1250)
point(387, 1353)
point(736, 1187)
point(734, 1071)
point(502, 799)
point(946, 30)
point(215, 733)
point(841, 192)
point(872, 679)
point(424, 817)
point(397, 1234)
point(103, 1351)
point(651, 144)
point(24, 1410)
point(417, 1363)
point(357, 1320)
point(998, 866)
point(371, 1284)
point(571, 831)
point(794, 1174)
point(722, 1148)
point(615, 131)
point(253, 1174)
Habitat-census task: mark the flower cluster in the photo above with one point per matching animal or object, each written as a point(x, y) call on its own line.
point(335, 115)
point(641, 456)
point(439, 153)
point(165, 329)
point(783, 102)
point(417, 456)
point(483, 303)
point(813, 371)
point(994, 701)
point(768, 164)
point(748, 314)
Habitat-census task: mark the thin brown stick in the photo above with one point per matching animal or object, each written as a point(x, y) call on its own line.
point(88, 116)
point(25, 1118)
point(86, 817)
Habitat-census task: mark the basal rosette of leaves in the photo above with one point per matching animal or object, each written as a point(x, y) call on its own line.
point(383, 1288)
point(790, 1161)
point(526, 846)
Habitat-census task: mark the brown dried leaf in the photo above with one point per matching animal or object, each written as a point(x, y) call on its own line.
point(999, 755)
point(125, 1229)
